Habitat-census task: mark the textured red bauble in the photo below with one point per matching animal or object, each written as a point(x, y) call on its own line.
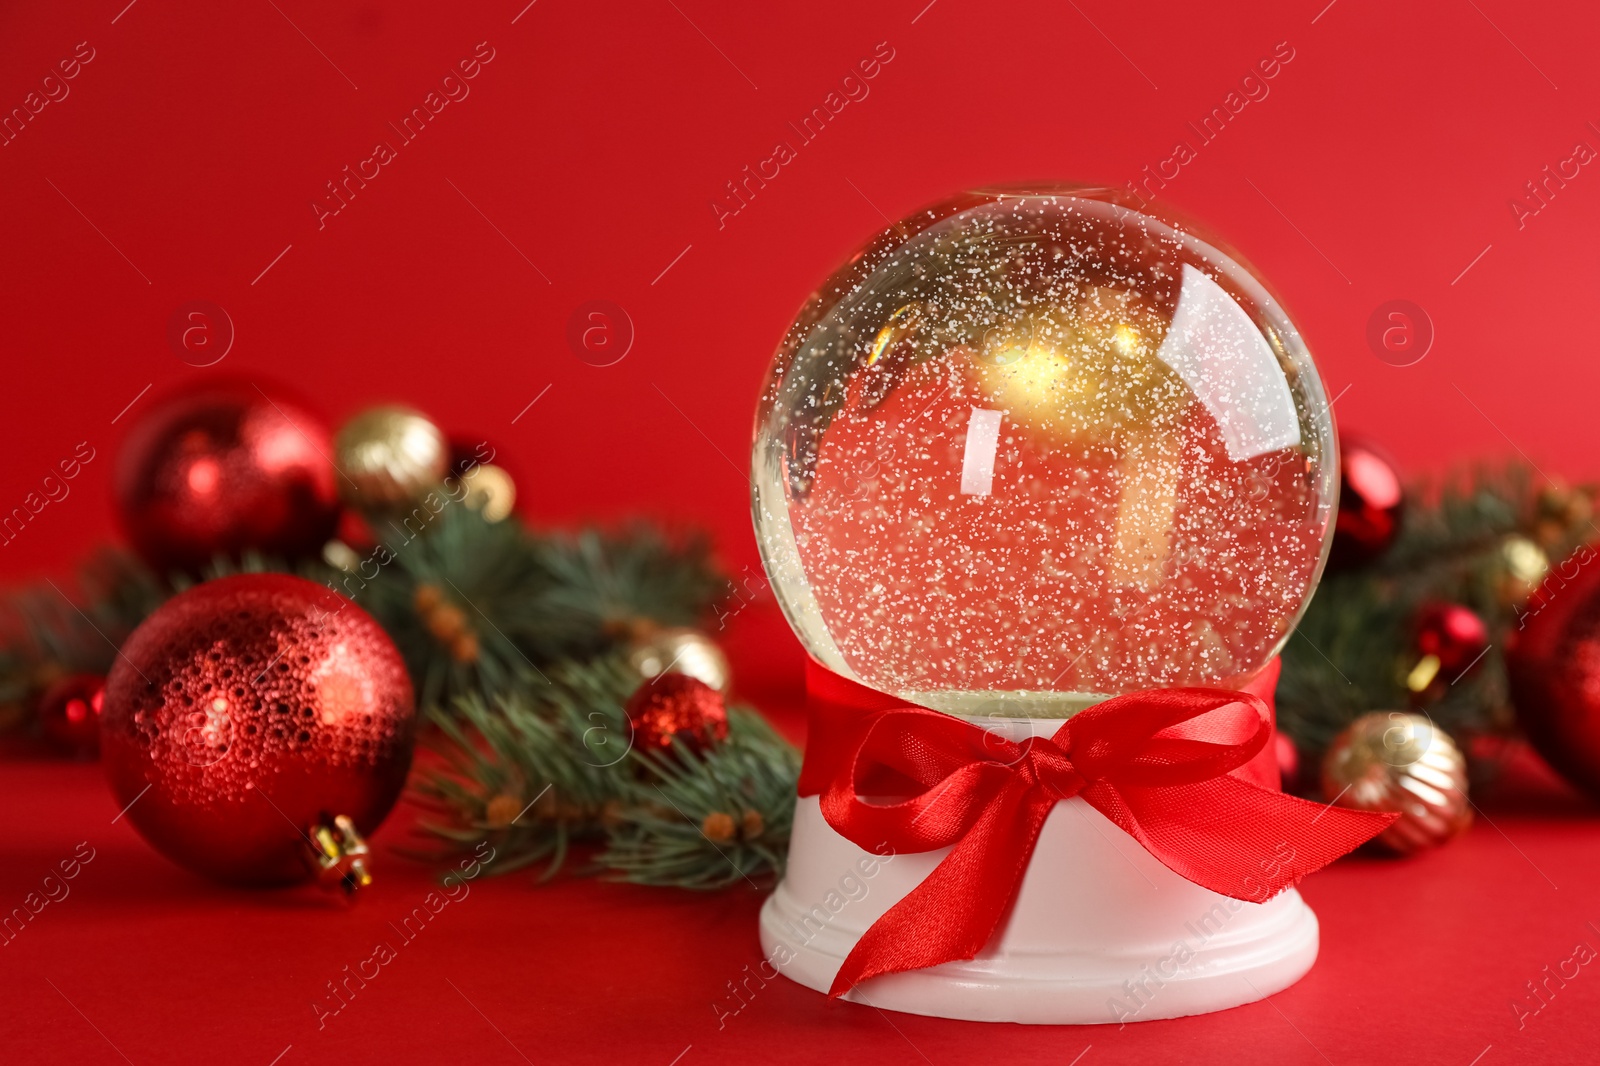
point(1451, 633)
point(223, 469)
point(248, 710)
point(676, 705)
point(1553, 664)
point(69, 713)
point(1371, 504)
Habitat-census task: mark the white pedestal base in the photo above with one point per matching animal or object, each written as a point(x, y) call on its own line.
point(1100, 932)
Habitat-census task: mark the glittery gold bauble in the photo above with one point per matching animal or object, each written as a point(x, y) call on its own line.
point(681, 650)
point(1391, 761)
point(1560, 510)
point(389, 456)
point(1523, 567)
point(490, 491)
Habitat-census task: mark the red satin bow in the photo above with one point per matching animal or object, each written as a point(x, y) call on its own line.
point(1161, 764)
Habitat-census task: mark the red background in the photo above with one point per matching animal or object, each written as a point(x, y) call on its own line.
point(183, 163)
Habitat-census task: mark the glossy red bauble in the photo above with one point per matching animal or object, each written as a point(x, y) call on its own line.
point(224, 469)
point(69, 713)
point(247, 710)
point(1371, 503)
point(1553, 664)
point(1453, 634)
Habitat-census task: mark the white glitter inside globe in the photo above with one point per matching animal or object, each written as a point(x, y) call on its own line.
point(1029, 450)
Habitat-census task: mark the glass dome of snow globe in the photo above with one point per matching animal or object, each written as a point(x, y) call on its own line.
point(1033, 448)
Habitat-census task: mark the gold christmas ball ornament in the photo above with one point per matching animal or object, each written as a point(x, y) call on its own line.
point(1523, 567)
point(336, 553)
point(1402, 763)
point(389, 456)
point(1560, 510)
point(490, 491)
point(680, 650)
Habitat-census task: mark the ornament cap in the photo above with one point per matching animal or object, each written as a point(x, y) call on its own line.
point(337, 853)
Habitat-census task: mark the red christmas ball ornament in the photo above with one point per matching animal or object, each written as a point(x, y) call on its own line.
point(223, 469)
point(254, 719)
point(69, 713)
point(1371, 503)
point(1449, 639)
point(677, 706)
point(354, 529)
point(1288, 759)
point(1453, 633)
point(1553, 665)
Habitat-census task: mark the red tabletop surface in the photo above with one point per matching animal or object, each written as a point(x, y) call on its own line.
point(1421, 959)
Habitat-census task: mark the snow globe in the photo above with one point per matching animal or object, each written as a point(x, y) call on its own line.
point(1028, 450)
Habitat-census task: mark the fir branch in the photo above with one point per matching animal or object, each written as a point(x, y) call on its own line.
point(1355, 645)
point(539, 771)
point(486, 573)
point(49, 631)
point(533, 771)
point(524, 600)
point(735, 800)
point(597, 580)
point(475, 607)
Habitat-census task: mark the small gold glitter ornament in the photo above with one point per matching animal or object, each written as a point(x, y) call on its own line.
point(1392, 761)
point(680, 650)
point(389, 456)
point(1523, 568)
point(491, 491)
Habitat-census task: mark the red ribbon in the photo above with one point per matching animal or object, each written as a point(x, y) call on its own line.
point(1168, 766)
